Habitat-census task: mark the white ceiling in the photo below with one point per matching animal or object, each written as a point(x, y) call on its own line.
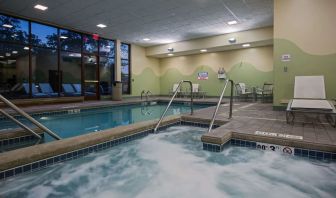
point(163, 21)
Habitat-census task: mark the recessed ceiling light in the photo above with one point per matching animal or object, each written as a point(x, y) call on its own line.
point(246, 45)
point(203, 50)
point(40, 7)
point(14, 52)
point(101, 25)
point(170, 54)
point(63, 37)
point(7, 25)
point(232, 40)
point(146, 39)
point(26, 48)
point(232, 22)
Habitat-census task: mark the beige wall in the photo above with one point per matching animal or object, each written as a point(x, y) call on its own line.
point(306, 30)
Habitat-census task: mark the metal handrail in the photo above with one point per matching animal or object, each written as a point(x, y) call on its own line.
point(142, 92)
point(20, 123)
point(28, 117)
point(148, 92)
point(219, 103)
point(171, 100)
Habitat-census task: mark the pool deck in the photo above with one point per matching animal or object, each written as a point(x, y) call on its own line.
point(259, 122)
point(250, 122)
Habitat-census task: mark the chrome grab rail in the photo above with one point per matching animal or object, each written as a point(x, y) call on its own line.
point(148, 92)
point(20, 123)
point(142, 92)
point(28, 117)
point(219, 103)
point(171, 100)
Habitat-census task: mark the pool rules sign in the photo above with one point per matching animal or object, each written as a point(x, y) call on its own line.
point(202, 76)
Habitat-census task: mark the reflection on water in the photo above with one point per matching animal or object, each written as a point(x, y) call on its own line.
point(173, 164)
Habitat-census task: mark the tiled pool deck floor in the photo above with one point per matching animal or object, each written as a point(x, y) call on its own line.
point(251, 117)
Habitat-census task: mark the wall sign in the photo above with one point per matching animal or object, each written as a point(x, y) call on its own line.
point(285, 57)
point(202, 76)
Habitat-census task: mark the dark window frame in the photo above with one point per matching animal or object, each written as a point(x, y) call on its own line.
point(58, 48)
point(129, 68)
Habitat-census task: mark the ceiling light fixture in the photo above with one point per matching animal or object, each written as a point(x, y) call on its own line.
point(246, 45)
point(234, 22)
point(63, 37)
point(146, 39)
point(40, 7)
point(203, 50)
point(101, 25)
point(26, 48)
point(7, 25)
point(170, 54)
point(14, 52)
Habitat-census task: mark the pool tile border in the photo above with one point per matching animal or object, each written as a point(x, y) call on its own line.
point(37, 165)
point(299, 152)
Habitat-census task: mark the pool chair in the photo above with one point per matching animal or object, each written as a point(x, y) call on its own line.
point(310, 97)
point(242, 92)
point(266, 93)
point(175, 86)
point(46, 89)
point(78, 89)
point(35, 92)
point(69, 90)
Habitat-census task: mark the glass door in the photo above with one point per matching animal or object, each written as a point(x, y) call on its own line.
point(91, 80)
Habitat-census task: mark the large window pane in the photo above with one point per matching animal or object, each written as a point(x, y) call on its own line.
point(106, 68)
point(90, 45)
point(45, 73)
point(125, 68)
point(106, 48)
point(14, 71)
point(71, 73)
point(43, 35)
point(70, 41)
point(13, 29)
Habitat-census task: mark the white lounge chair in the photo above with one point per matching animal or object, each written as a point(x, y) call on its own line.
point(175, 87)
point(242, 91)
point(310, 97)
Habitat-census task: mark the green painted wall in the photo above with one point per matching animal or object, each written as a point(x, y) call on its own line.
point(147, 80)
point(242, 72)
point(301, 63)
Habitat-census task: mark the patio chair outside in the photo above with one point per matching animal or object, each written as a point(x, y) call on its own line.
point(35, 92)
point(47, 89)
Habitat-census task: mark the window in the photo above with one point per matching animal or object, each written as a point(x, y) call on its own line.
point(44, 36)
point(106, 65)
point(14, 71)
point(44, 73)
point(70, 41)
point(125, 68)
point(70, 72)
point(90, 45)
point(13, 29)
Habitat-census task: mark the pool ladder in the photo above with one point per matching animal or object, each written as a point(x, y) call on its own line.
point(220, 101)
point(171, 100)
point(146, 94)
point(28, 117)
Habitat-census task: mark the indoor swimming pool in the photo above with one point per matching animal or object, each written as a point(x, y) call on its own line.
point(173, 164)
point(76, 122)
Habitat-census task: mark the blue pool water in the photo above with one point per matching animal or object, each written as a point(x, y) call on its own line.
point(172, 164)
point(94, 120)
